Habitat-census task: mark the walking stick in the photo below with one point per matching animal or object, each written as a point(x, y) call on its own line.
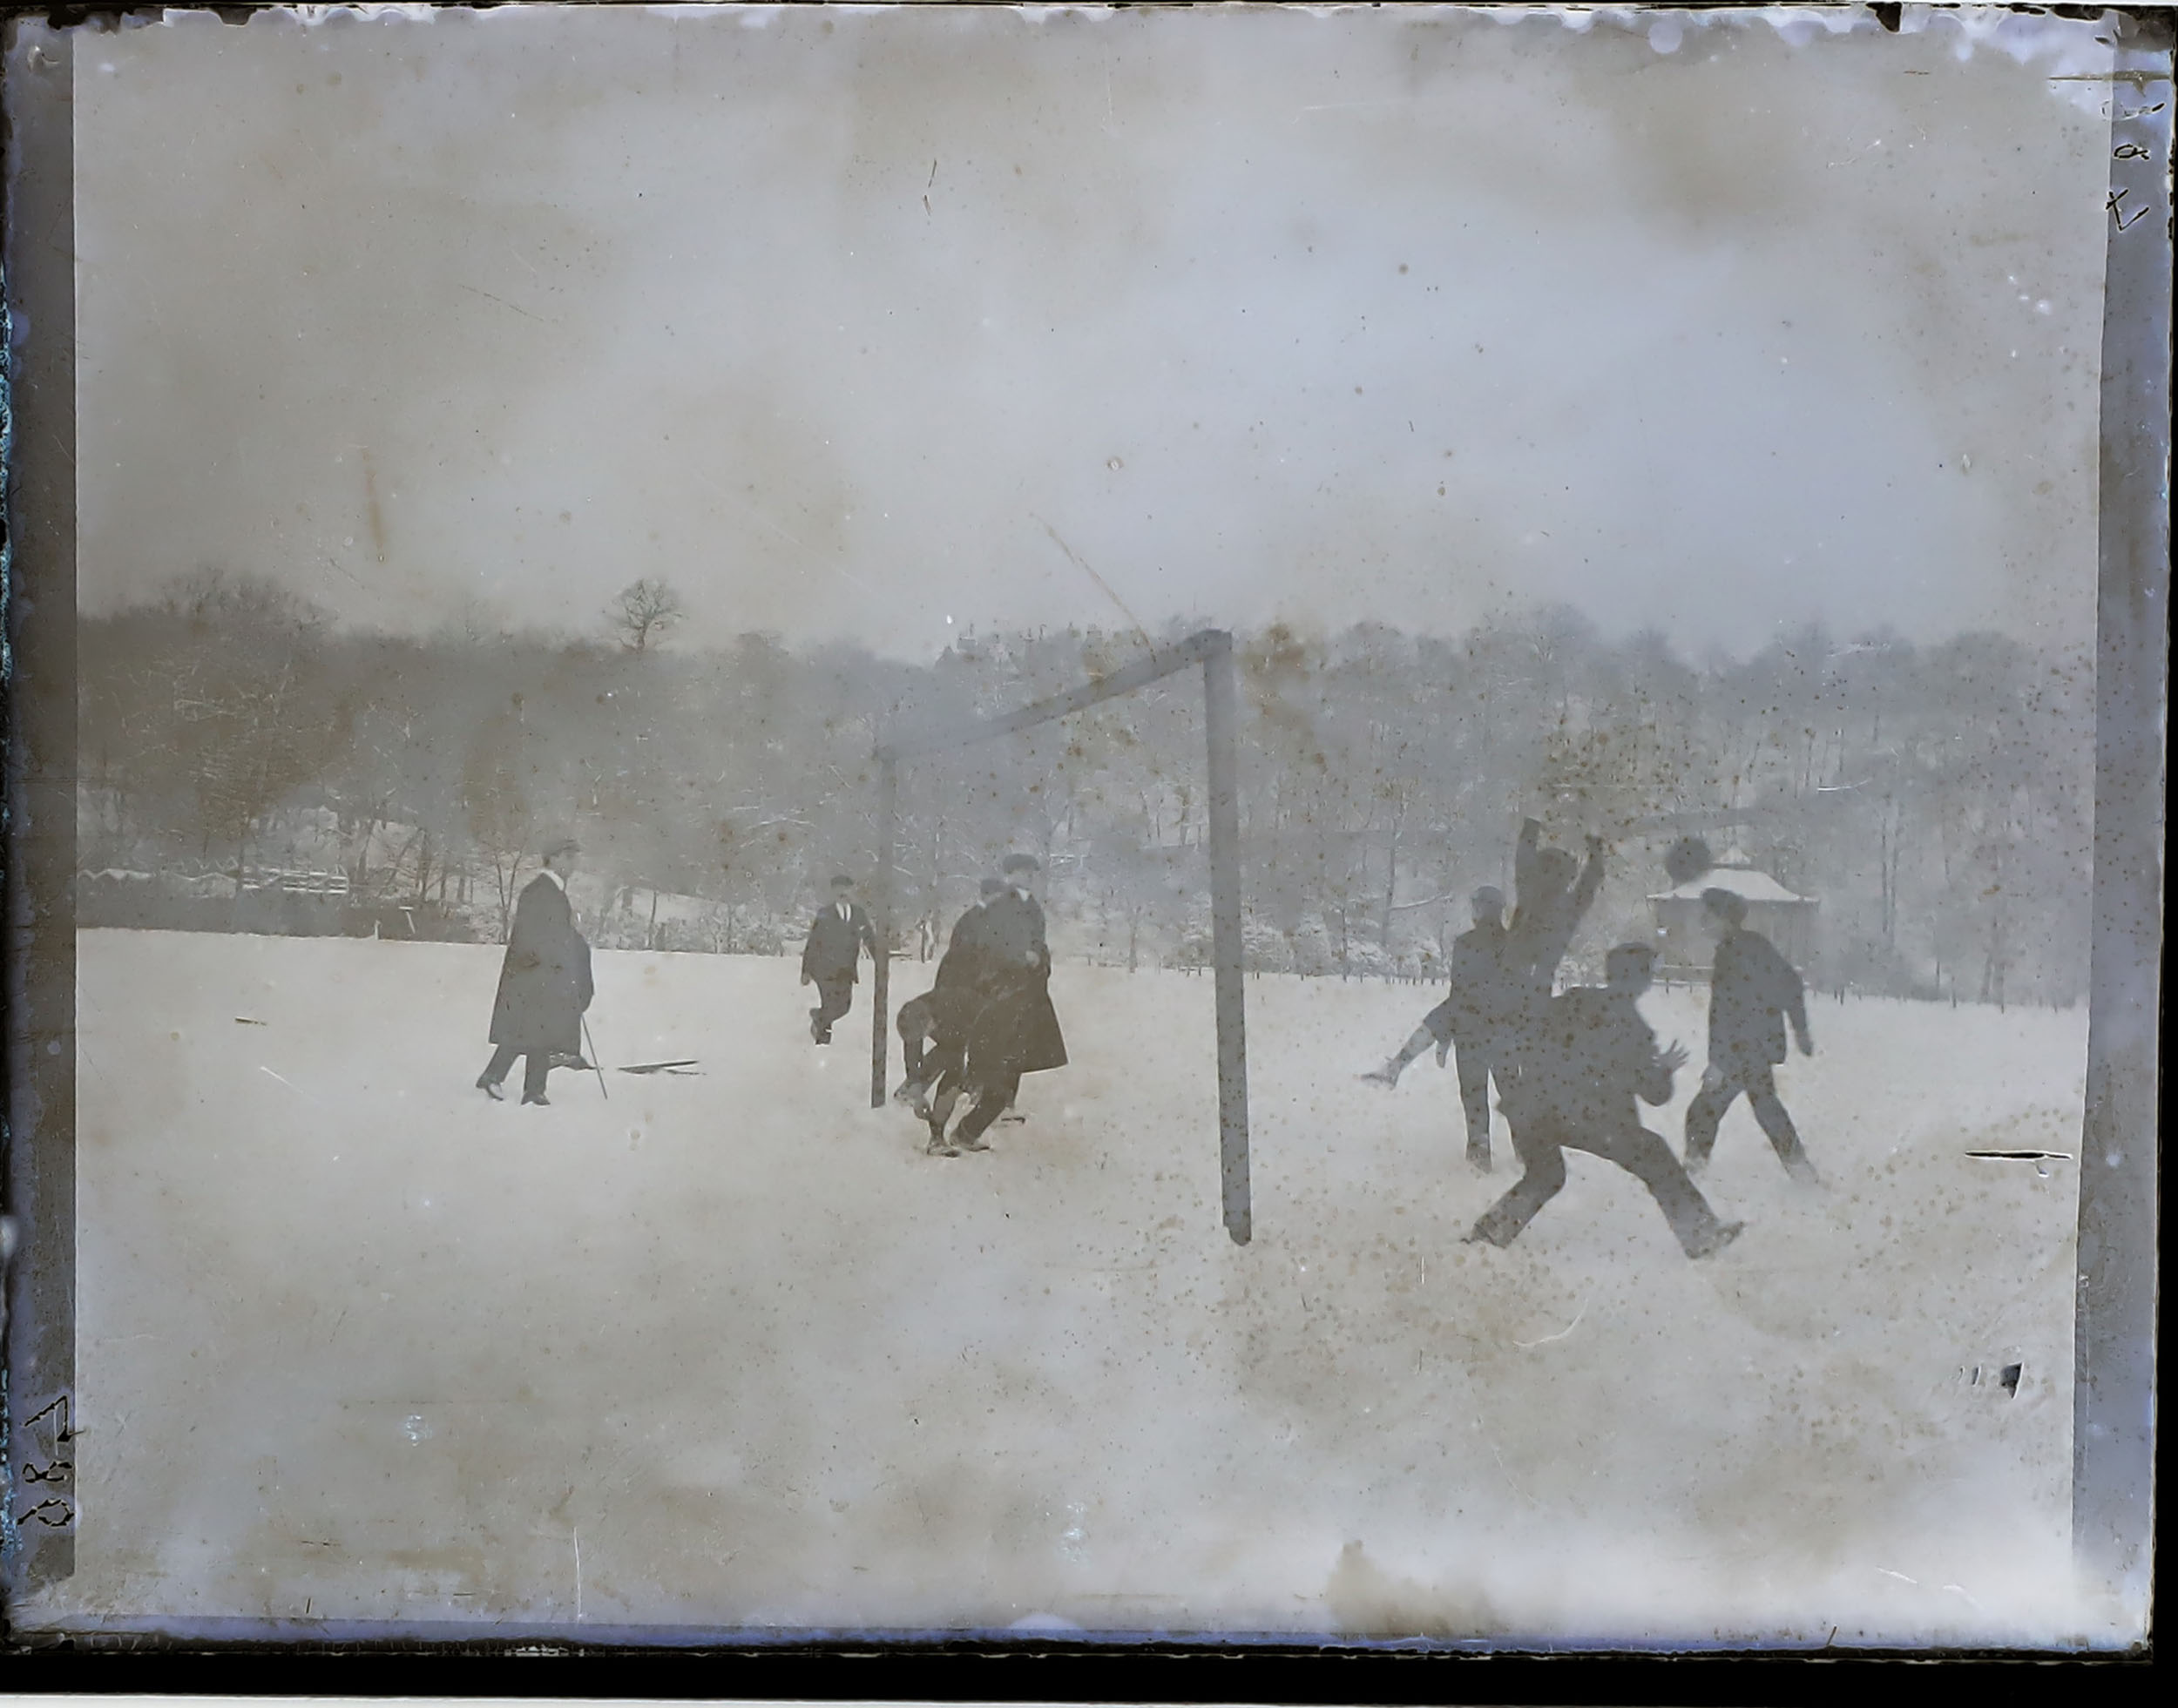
point(595, 1064)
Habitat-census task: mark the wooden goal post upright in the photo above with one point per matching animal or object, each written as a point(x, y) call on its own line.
point(1213, 650)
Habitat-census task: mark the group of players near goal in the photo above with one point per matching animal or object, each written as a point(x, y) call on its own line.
point(987, 1020)
point(1571, 1069)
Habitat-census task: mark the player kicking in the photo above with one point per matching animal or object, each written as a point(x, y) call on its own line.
point(1581, 1071)
point(1753, 991)
point(1470, 1020)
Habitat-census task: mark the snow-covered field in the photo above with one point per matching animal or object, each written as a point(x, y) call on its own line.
point(728, 1350)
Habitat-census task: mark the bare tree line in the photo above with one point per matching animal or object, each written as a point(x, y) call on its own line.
point(1933, 799)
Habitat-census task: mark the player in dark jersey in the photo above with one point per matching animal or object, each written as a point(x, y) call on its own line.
point(1472, 1019)
point(1581, 1071)
point(1753, 992)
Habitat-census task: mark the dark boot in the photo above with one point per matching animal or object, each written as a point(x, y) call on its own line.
point(1725, 1234)
point(495, 1073)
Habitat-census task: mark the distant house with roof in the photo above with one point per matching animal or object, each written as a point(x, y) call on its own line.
point(1684, 945)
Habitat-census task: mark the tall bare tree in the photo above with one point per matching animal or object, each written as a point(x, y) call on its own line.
point(644, 609)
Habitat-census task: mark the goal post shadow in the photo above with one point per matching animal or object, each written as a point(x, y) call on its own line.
point(1213, 650)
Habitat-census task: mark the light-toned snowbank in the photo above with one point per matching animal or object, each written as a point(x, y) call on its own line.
point(728, 1350)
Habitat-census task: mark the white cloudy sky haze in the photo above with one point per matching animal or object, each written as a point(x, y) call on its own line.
point(844, 321)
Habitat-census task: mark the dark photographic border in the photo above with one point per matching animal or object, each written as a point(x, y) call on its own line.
point(2113, 1484)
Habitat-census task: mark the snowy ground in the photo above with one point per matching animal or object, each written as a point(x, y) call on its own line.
point(357, 1345)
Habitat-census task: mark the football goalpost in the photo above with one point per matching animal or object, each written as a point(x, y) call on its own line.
point(1213, 650)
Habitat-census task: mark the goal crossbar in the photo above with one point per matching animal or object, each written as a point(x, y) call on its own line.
point(1213, 650)
point(1169, 662)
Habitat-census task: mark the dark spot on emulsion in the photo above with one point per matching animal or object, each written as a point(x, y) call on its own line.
point(2009, 1377)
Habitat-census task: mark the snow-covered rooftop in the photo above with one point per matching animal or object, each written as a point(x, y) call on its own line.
point(1741, 881)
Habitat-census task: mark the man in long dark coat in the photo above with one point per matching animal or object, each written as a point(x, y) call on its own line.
point(1580, 1075)
point(545, 984)
point(939, 1017)
point(1015, 1030)
point(1472, 1019)
point(1753, 991)
point(831, 958)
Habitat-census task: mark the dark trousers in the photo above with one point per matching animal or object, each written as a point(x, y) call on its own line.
point(1476, 1059)
point(834, 997)
point(1706, 1113)
point(993, 1097)
point(932, 1065)
point(534, 1064)
point(1541, 1148)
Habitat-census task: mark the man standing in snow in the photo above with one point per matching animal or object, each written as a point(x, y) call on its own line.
point(1753, 991)
point(545, 984)
point(832, 956)
point(1580, 1072)
point(1471, 1020)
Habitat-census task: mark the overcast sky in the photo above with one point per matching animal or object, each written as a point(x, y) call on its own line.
point(852, 324)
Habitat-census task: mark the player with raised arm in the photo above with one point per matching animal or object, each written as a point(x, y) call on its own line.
point(1552, 894)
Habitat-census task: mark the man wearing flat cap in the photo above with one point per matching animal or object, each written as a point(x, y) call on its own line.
point(831, 957)
point(1016, 1031)
point(544, 984)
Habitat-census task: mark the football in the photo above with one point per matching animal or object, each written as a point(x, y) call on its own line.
point(1688, 858)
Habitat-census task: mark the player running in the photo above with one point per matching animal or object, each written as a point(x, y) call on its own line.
point(1753, 991)
point(838, 936)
